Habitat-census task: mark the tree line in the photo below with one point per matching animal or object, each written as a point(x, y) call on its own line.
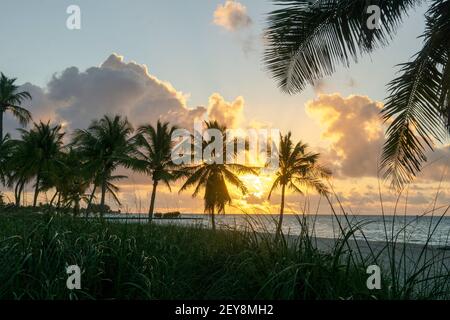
point(86, 166)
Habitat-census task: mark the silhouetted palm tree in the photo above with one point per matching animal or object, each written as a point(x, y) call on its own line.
point(70, 181)
point(298, 168)
point(213, 176)
point(6, 147)
point(11, 100)
point(18, 171)
point(38, 152)
point(106, 145)
point(307, 40)
point(154, 157)
point(18, 174)
point(74, 181)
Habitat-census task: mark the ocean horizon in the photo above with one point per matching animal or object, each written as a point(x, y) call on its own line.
point(415, 229)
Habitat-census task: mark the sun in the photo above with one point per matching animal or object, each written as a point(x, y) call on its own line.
point(257, 186)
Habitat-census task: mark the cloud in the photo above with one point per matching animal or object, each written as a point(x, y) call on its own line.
point(74, 98)
point(352, 127)
point(232, 16)
point(41, 107)
point(438, 165)
point(228, 113)
point(117, 87)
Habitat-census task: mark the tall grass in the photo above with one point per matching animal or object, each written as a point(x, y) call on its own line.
point(125, 261)
point(409, 271)
point(133, 261)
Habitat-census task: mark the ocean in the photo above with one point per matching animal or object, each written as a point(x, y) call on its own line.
point(409, 229)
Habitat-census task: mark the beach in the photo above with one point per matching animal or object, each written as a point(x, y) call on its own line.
point(406, 255)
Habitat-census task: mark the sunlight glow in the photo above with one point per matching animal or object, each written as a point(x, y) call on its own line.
point(258, 186)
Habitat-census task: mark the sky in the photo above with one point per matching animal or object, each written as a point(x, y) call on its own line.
point(177, 60)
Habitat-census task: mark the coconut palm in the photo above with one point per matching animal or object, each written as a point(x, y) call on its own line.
point(5, 156)
point(297, 168)
point(106, 145)
point(70, 181)
point(38, 153)
point(12, 167)
point(307, 40)
point(11, 100)
point(154, 156)
point(18, 175)
point(212, 176)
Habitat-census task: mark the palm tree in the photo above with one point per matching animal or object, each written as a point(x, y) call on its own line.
point(69, 179)
point(10, 100)
point(104, 146)
point(12, 166)
point(39, 152)
point(19, 173)
point(213, 176)
point(16, 175)
point(154, 157)
point(5, 156)
point(298, 168)
point(308, 39)
point(73, 181)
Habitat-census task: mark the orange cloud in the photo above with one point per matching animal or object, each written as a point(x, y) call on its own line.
point(353, 128)
point(227, 113)
point(232, 16)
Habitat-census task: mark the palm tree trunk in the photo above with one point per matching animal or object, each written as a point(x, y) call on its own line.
point(76, 209)
point(102, 202)
point(280, 221)
point(18, 192)
point(91, 197)
point(36, 189)
point(152, 202)
point(213, 220)
point(58, 203)
point(22, 192)
point(53, 198)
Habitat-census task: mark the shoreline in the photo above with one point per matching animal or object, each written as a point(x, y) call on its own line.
point(409, 256)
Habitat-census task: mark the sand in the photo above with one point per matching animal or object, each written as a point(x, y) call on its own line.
point(409, 257)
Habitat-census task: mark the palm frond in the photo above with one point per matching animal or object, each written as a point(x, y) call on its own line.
point(414, 109)
point(308, 40)
point(234, 180)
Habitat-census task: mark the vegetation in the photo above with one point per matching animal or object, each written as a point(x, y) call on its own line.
point(298, 168)
point(93, 156)
point(37, 154)
point(104, 146)
point(11, 100)
point(212, 176)
point(307, 40)
point(5, 154)
point(154, 157)
point(132, 261)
